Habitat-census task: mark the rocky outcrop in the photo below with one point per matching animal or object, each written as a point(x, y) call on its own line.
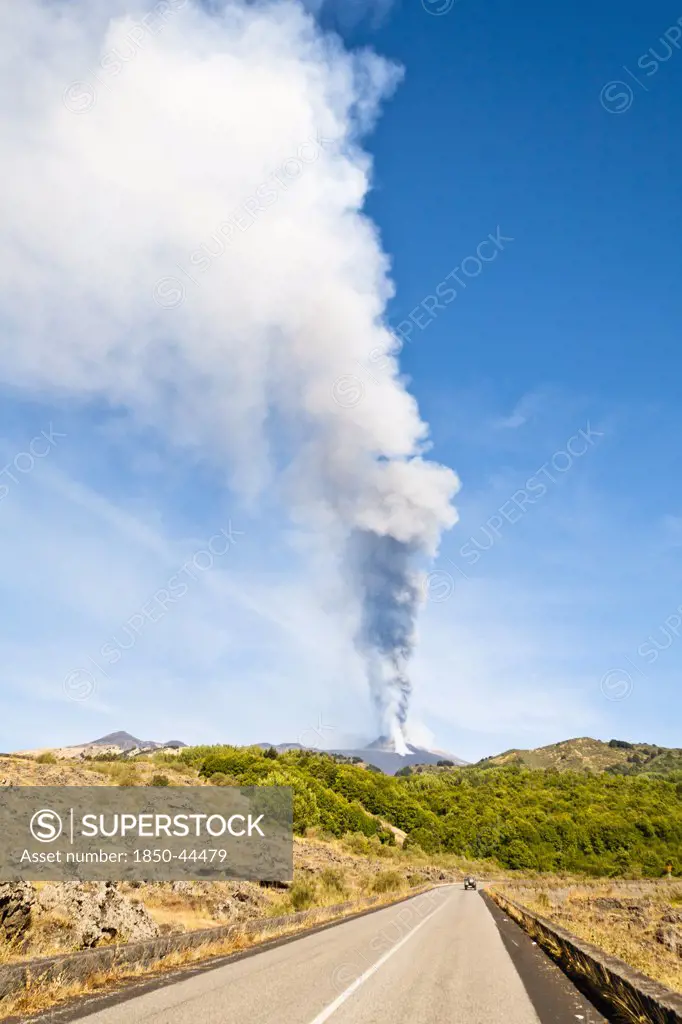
point(89, 914)
point(223, 901)
point(16, 904)
point(670, 937)
point(74, 914)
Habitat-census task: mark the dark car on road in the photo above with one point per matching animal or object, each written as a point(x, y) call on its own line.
point(469, 882)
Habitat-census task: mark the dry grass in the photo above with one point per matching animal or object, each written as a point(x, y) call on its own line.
point(47, 770)
point(142, 771)
point(178, 917)
point(25, 771)
point(625, 919)
point(9, 952)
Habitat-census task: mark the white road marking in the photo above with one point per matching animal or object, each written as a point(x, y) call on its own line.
point(340, 1000)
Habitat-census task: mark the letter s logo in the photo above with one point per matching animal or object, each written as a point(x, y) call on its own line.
point(46, 826)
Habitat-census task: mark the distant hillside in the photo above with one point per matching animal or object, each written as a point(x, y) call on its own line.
point(122, 743)
point(127, 742)
point(381, 754)
point(617, 757)
point(282, 748)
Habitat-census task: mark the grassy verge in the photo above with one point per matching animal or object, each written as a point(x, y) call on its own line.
point(639, 923)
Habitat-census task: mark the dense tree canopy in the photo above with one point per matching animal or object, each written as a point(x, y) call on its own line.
point(600, 824)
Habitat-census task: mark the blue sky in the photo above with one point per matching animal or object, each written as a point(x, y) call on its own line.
point(506, 125)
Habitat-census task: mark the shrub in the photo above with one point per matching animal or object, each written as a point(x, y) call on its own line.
point(333, 879)
point(160, 780)
point(221, 779)
point(174, 764)
point(423, 838)
point(416, 880)
point(120, 774)
point(46, 758)
point(302, 894)
point(388, 881)
point(357, 842)
point(106, 756)
point(305, 809)
point(127, 779)
point(519, 855)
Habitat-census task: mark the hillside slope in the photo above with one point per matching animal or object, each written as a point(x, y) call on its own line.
point(587, 754)
point(592, 822)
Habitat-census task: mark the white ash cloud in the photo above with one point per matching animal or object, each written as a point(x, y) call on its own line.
point(134, 135)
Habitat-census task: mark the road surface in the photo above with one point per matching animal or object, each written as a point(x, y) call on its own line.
point(440, 958)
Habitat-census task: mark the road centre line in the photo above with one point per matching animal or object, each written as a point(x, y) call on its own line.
point(340, 1000)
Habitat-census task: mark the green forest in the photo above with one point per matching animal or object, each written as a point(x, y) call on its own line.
point(543, 820)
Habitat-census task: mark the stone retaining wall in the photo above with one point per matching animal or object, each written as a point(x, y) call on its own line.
point(631, 996)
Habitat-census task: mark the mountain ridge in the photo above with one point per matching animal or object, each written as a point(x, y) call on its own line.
point(381, 753)
point(126, 741)
point(579, 754)
point(584, 753)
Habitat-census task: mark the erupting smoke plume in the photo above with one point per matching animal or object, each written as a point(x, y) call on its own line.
point(195, 252)
point(389, 593)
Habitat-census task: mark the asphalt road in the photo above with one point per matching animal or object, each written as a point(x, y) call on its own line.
point(440, 958)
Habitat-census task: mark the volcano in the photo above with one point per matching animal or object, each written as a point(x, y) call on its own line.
point(383, 754)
